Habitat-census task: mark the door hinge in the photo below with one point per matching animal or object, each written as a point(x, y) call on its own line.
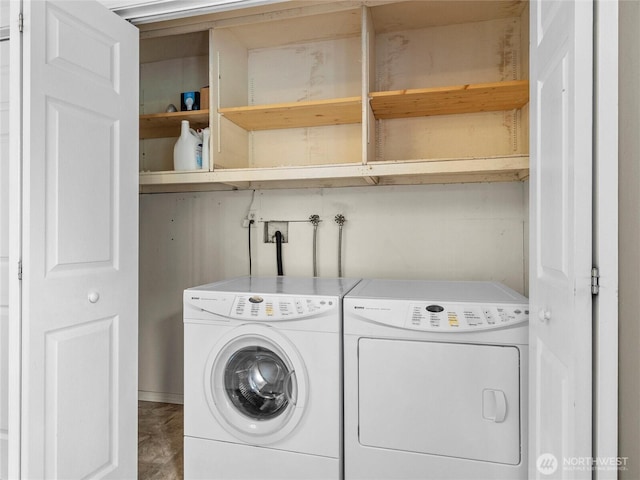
point(20, 270)
point(20, 22)
point(595, 281)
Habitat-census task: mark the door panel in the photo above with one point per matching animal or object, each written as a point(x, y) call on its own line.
point(80, 240)
point(74, 207)
point(75, 45)
point(68, 350)
point(4, 251)
point(561, 220)
point(553, 175)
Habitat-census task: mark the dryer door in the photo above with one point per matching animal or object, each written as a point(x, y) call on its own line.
point(448, 399)
point(256, 384)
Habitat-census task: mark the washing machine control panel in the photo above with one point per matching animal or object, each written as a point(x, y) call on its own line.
point(463, 317)
point(272, 307)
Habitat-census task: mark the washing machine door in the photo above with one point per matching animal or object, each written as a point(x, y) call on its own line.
point(256, 384)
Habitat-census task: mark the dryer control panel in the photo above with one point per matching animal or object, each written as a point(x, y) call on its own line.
point(257, 307)
point(463, 317)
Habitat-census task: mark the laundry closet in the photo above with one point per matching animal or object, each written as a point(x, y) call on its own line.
point(430, 175)
point(403, 126)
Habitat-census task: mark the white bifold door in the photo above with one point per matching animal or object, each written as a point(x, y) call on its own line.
point(4, 243)
point(560, 406)
point(79, 242)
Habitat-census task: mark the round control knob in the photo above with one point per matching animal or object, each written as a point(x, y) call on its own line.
point(93, 297)
point(544, 315)
point(435, 308)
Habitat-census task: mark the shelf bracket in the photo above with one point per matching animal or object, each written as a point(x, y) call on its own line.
point(238, 185)
point(372, 180)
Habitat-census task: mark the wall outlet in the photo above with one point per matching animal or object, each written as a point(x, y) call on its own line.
point(270, 229)
point(252, 215)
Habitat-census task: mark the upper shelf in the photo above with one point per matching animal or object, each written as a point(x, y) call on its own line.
point(481, 97)
point(296, 114)
point(160, 125)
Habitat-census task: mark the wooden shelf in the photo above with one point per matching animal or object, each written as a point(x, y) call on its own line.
point(510, 168)
point(386, 105)
point(481, 97)
point(296, 114)
point(250, 53)
point(160, 125)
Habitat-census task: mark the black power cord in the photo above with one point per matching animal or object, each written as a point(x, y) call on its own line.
point(279, 252)
point(249, 229)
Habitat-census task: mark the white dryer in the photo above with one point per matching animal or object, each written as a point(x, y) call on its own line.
point(262, 394)
point(435, 381)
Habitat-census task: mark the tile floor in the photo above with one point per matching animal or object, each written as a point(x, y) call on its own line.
point(160, 440)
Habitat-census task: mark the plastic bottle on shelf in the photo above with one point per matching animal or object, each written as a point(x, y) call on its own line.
point(206, 135)
point(198, 135)
point(185, 150)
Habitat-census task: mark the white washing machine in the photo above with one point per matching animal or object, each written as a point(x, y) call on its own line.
point(435, 381)
point(263, 376)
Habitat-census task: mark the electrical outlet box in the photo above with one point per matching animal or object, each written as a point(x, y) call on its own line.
point(270, 229)
point(252, 215)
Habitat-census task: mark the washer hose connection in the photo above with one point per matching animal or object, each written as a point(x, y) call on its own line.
point(339, 218)
point(315, 221)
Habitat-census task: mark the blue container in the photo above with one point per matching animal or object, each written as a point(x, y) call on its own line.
point(189, 101)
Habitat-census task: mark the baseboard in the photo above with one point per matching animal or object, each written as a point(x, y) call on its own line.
point(161, 397)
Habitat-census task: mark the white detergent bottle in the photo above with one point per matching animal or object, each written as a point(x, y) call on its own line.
point(206, 135)
point(185, 149)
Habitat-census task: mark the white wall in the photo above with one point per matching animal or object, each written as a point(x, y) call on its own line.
point(474, 231)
